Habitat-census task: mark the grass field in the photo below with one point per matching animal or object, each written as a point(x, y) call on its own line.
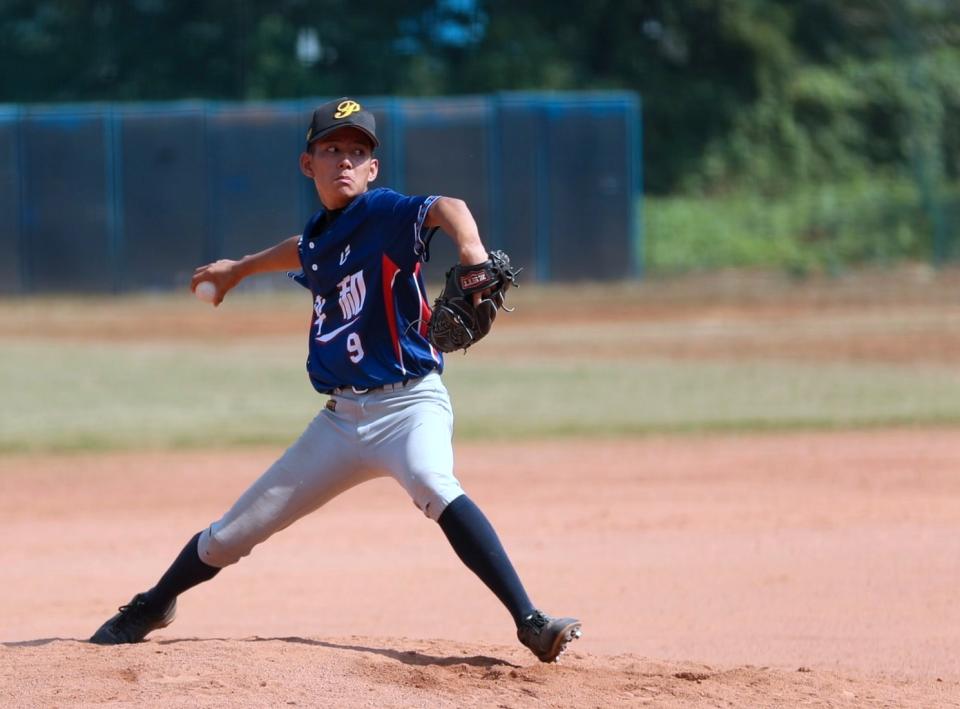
point(187, 395)
point(168, 372)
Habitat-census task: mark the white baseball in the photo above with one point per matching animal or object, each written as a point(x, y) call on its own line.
point(206, 291)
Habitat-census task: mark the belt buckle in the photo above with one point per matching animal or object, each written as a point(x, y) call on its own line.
point(359, 390)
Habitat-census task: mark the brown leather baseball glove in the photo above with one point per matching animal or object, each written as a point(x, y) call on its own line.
point(456, 322)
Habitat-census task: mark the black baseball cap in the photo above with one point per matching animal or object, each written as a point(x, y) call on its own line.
point(338, 114)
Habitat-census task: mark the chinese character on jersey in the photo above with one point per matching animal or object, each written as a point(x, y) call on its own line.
point(353, 292)
point(318, 309)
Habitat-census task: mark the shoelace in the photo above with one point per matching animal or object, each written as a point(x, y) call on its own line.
point(127, 607)
point(537, 620)
point(138, 607)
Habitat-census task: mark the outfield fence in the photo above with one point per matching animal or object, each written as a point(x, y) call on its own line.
point(119, 197)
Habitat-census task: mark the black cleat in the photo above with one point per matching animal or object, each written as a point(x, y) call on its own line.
point(547, 637)
point(133, 622)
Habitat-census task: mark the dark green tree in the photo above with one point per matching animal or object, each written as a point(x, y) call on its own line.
point(760, 91)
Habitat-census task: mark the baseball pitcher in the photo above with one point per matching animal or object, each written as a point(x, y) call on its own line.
point(376, 351)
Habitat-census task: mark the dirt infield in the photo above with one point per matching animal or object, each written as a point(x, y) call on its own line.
point(775, 570)
point(906, 315)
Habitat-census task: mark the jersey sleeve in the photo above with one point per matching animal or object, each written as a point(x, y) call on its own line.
point(301, 276)
point(407, 239)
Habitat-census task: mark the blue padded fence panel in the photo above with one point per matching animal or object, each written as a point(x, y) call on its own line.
point(445, 151)
point(164, 197)
point(520, 184)
point(109, 198)
point(590, 192)
point(68, 220)
point(254, 178)
point(10, 253)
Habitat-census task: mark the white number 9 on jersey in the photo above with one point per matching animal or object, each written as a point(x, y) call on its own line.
point(354, 347)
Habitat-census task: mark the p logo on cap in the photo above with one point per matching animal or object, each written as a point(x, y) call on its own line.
point(345, 108)
point(341, 112)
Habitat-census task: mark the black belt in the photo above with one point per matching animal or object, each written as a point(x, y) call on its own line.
point(369, 390)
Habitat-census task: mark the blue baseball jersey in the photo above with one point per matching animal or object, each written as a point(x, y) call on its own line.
point(370, 309)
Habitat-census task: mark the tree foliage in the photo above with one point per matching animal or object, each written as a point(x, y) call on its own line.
point(765, 92)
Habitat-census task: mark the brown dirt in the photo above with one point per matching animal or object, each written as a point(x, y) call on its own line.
point(765, 570)
point(902, 316)
point(774, 570)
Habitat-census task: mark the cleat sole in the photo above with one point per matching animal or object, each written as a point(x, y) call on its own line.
point(563, 640)
point(548, 637)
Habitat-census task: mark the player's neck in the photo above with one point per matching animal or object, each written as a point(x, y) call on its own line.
point(342, 207)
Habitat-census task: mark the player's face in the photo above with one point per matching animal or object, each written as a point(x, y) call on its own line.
point(341, 166)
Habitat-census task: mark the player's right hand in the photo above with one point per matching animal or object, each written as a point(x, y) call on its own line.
point(224, 274)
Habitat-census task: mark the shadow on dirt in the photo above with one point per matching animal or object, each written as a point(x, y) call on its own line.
point(407, 657)
point(41, 641)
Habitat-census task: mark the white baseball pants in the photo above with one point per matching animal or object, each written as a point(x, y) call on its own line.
point(401, 431)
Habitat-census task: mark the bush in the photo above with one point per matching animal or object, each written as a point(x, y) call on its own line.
point(811, 228)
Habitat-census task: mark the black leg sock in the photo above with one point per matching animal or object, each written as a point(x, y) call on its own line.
point(476, 543)
point(184, 573)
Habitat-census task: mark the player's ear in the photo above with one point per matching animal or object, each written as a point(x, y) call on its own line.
point(306, 166)
point(374, 170)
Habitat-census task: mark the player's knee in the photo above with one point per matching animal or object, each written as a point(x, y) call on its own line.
point(218, 548)
point(436, 507)
point(432, 497)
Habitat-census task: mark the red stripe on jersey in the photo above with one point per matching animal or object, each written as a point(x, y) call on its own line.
point(425, 312)
point(390, 271)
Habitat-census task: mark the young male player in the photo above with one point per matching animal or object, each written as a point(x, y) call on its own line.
point(388, 412)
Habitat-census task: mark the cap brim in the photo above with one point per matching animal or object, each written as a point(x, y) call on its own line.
point(333, 129)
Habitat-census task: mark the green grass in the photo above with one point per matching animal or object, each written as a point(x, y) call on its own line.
point(813, 228)
point(97, 397)
point(616, 398)
point(170, 396)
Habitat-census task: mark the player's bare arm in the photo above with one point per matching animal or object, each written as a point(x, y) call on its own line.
point(454, 218)
point(227, 273)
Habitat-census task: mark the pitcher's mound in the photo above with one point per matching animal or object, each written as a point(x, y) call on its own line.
point(397, 672)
